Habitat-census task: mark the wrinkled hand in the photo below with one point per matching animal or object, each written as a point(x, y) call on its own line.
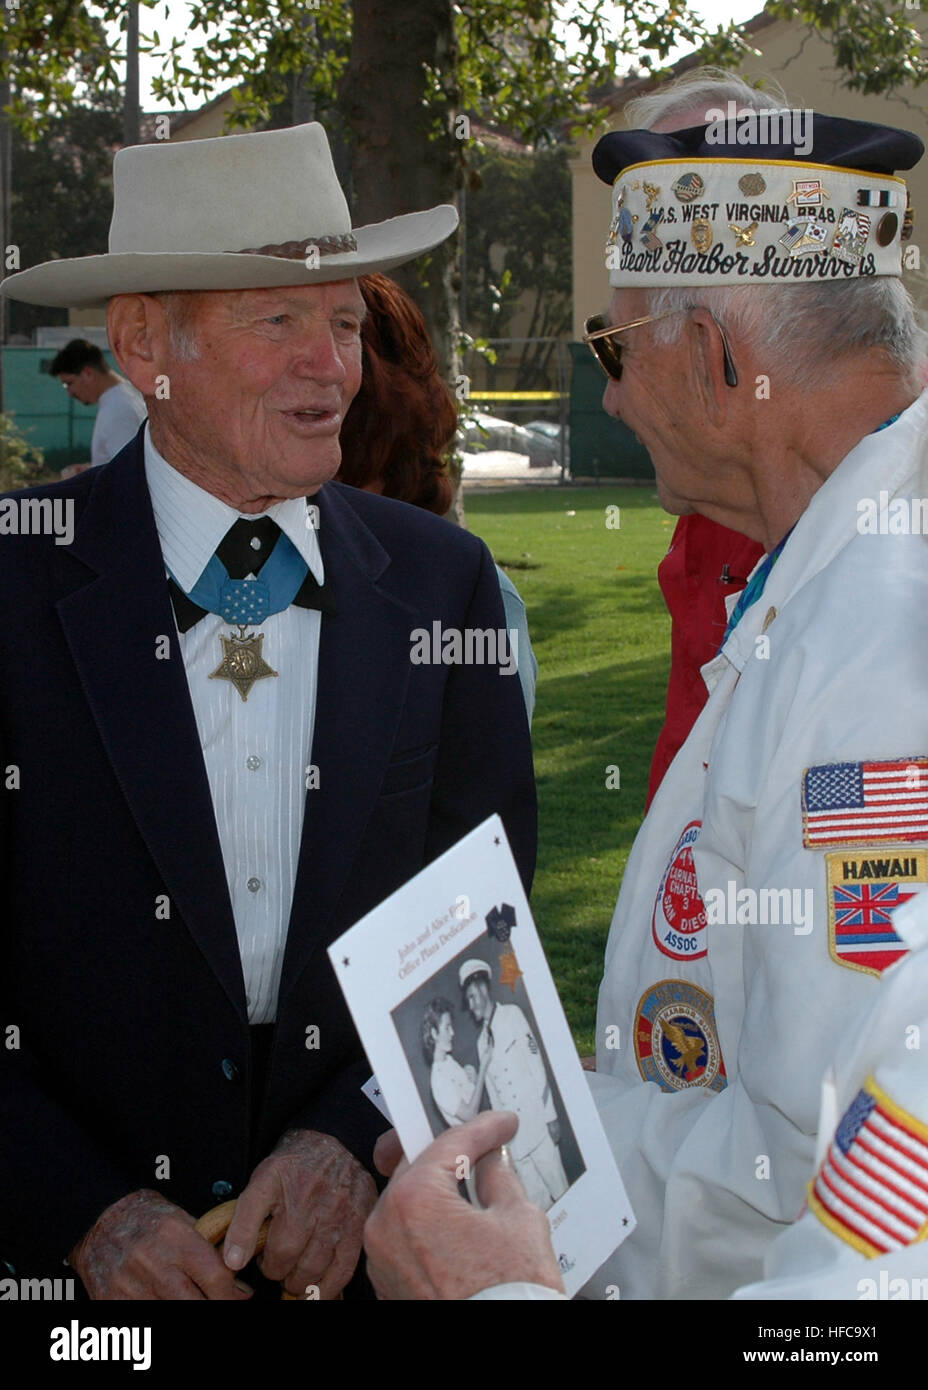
point(318, 1197)
point(425, 1241)
point(145, 1247)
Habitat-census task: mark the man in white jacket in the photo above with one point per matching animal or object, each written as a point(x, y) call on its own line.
point(762, 347)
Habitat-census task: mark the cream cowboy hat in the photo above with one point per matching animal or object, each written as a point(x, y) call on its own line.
point(238, 212)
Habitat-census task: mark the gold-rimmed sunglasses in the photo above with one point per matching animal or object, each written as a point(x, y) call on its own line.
point(598, 335)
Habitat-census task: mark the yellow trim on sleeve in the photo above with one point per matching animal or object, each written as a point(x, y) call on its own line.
point(838, 1228)
point(903, 1117)
point(908, 1121)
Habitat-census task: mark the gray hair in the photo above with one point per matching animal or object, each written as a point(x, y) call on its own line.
point(178, 306)
point(805, 332)
point(704, 87)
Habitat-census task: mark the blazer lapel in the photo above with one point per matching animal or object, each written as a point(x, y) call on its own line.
point(363, 675)
point(120, 628)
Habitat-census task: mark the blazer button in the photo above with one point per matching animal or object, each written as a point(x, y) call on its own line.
point(221, 1189)
point(229, 1069)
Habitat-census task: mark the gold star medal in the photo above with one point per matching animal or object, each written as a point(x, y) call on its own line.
point(242, 662)
point(509, 972)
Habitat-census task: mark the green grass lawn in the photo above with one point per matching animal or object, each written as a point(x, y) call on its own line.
point(601, 634)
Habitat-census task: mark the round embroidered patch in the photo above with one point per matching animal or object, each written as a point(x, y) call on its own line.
point(678, 922)
point(676, 1043)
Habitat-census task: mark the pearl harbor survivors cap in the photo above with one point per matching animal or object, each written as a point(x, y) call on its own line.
point(757, 197)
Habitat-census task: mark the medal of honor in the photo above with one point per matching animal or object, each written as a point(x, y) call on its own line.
point(242, 661)
point(283, 579)
point(243, 602)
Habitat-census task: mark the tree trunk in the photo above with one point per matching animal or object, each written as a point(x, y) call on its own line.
point(132, 109)
point(6, 221)
point(404, 152)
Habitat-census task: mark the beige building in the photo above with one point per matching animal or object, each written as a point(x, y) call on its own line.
point(803, 64)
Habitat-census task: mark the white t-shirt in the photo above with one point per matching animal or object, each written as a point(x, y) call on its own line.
point(120, 411)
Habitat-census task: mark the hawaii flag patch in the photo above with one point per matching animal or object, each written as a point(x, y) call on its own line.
point(864, 889)
point(872, 1187)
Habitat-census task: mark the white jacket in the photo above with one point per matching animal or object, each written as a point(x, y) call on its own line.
point(713, 1034)
point(516, 1078)
point(863, 1233)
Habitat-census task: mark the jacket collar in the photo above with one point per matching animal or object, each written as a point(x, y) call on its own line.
point(882, 462)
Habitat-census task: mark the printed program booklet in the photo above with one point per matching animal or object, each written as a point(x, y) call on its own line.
point(454, 1002)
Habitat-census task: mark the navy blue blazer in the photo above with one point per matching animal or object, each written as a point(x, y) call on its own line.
point(133, 1064)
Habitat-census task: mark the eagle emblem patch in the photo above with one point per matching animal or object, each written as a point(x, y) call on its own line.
point(676, 1042)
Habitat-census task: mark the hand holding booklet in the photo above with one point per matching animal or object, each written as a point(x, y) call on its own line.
point(454, 1002)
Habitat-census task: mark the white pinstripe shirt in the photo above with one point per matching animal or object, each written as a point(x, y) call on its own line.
point(257, 751)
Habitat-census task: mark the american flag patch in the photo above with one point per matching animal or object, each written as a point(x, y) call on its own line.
point(872, 1187)
point(865, 803)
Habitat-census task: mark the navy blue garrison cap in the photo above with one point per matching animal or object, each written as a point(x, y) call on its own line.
point(757, 197)
point(832, 140)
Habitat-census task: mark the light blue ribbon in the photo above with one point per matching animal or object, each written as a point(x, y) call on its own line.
point(247, 602)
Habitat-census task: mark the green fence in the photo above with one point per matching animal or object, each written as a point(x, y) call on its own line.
point(42, 409)
point(600, 447)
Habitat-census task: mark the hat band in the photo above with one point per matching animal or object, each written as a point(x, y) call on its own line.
point(298, 250)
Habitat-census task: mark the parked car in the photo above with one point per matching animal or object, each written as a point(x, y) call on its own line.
point(488, 433)
point(548, 434)
point(492, 434)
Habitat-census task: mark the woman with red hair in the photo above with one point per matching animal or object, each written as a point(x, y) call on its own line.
point(399, 431)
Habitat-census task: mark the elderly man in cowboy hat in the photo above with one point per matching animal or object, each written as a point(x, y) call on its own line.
point(217, 752)
point(761, 344)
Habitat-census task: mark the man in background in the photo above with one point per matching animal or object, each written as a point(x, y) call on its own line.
point(81, 368)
